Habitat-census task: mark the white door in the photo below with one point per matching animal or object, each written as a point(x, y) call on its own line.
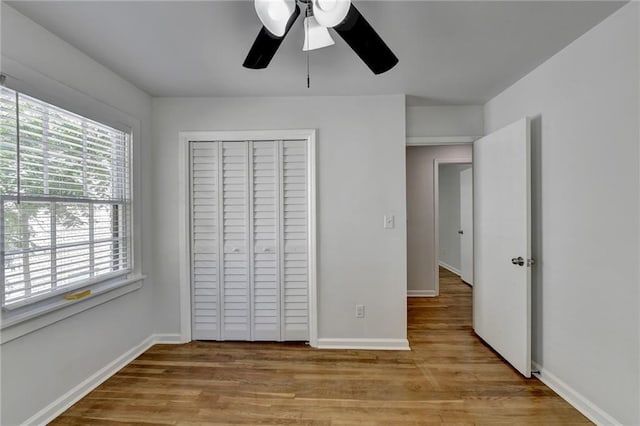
point(249, 240)
point(466, 225)
point(235, 307)
point(502, 248)
point(295, 244)
point(205, 241)
point(265, 184)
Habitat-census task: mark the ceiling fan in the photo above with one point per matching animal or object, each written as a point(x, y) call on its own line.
point(277, 17)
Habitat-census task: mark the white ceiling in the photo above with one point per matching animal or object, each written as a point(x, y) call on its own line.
point(450, 52)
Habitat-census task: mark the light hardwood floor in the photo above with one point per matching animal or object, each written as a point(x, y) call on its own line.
point(449, 377)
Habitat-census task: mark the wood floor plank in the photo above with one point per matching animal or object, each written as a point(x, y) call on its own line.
point(450, 377)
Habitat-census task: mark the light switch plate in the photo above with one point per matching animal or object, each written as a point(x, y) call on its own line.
point(389, 221)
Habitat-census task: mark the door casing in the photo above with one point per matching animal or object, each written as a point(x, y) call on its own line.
point(184, 261)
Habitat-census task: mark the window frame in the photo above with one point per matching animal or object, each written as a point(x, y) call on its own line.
point(89, 202)
point(26, 319)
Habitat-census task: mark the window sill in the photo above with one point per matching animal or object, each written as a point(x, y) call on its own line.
point(17, 324)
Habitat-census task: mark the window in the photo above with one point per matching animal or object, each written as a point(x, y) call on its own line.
point(64, 200)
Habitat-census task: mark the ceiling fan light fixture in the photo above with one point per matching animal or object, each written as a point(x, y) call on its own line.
point(315, 35)
point(275, 14)
point(330, 13)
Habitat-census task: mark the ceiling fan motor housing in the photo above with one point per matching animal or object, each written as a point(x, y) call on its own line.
point(278, 16)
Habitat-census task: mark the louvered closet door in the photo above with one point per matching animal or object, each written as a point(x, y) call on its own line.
point(294, 205)
point(249, 250)
point(204, 240)
point(265, 237)
point(235, 301)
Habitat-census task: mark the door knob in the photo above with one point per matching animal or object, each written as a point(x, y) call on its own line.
point(461, 232)
point(518, 261)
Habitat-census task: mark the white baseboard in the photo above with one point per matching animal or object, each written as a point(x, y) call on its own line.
point(573, 397)
point(168, 339)
point(421, 293)
point(369, 344)
point(57, 407)
point(450, 268)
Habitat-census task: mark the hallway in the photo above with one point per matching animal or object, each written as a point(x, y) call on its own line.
point(449, 376)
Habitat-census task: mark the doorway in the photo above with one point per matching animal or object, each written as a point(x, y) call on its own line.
point(422, 247)
point(501, 239)
point(453, 210)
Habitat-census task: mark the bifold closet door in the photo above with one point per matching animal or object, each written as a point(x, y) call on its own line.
point(220, 228)
point(249, 250)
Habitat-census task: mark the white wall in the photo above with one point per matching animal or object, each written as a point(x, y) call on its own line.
point(421, 255)
point(446, 120)
point(361, 175)
point(41, 366)
point(449, 214)
point(586, 190)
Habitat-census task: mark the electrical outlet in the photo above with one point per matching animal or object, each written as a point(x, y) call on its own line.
point(359, 311)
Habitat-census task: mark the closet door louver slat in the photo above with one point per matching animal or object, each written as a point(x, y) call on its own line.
point(204, 240)
point(294, 204)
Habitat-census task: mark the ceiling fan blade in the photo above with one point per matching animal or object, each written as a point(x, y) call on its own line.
point(364, 40)
point(266, 45)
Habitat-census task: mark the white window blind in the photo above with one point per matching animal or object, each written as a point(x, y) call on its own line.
point(65, 200)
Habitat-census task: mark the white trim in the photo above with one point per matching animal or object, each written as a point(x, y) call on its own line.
point(57, 407)
point(168, 339)
point(421, 293)
point(59, 310)
point(247, 135)
point(33, 304)
point(312, 242)
point(450, 268)
point(573, 397)
point(184, 260)
point(60, 405)
point(436, 211)
point(365, 344)
point(184, 243)
point(440, 140)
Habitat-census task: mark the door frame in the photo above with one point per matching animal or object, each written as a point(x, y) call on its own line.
point(184, 242)
point(436, 212)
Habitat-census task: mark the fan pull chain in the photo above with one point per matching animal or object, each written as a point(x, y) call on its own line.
point(307, 13)
point(308, 76)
